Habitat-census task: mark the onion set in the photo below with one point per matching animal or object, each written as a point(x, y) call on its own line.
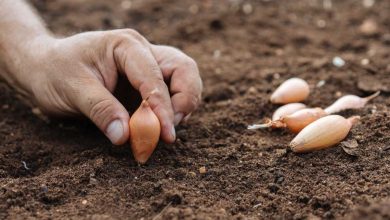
point(349, 102)
point(316, 128)
point(144, 131)
point(287, 109)
point(294, 122)
point(292, 90)
point(323, 133)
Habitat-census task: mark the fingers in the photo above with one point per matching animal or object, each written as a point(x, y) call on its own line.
point(183, 104)
point(105, 111)
point(138, 63)
point(186, 89)
point(185, 82)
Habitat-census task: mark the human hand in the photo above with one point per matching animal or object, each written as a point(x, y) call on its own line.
point(79, 74)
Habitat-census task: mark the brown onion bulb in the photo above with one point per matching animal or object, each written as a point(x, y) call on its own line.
point(294, 122)
point(144, 132)
point(300, 119)
point(292, 90)
point(349, 102)
point(323, 133)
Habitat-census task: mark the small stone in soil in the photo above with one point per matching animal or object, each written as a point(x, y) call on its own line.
point(368, 27)
point(193, 174)
point(338, 62)
point(93, 181)
point(36, 111)
point(194, 9)
point(373, 109)
point(252, 90)
point(365, 61)
point(202, 170)
point(44, 188)
point(321, 23)
point(280, 152)
point(247, 8)
point(126, 4)
point(327, 4)
point(368, 3)
point(338, 94)
point(320, 83)
point(216, 54)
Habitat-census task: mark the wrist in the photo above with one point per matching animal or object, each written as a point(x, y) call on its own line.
point(22, 59)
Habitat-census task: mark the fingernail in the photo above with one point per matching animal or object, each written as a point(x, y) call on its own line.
point(178, 117)
point(173, 133)
point(115, 131)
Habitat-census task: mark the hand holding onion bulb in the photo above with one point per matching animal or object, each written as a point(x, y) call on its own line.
point(144, 131)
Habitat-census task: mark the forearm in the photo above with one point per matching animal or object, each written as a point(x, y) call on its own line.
point(21, 31)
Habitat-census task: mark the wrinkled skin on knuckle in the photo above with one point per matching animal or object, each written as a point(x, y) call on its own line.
point(131, 32)
point(115, 37)
point(149, 85)
point(189, 62)
point(135, 35)
point(157, 71)
point(129, 38)
point(101, 108)
point(123, 49)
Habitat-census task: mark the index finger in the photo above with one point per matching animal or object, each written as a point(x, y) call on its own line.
point(143, 72)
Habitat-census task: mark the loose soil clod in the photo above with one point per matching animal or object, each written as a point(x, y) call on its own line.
point(259, 50)
point(350, 146)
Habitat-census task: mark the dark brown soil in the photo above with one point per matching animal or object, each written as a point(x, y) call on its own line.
point(72, 171)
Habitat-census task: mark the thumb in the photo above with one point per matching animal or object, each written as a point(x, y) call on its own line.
point(105, 111)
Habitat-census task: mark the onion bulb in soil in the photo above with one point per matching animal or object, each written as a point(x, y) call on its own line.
point(323, 133)
point(144, 132)
point(292, 90)
point(294, 122)
point(349, 102)
point(287, 109)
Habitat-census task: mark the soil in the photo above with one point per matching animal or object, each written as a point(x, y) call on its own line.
point(245, 49)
